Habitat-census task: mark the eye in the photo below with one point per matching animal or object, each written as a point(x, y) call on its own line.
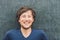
point(29, 16)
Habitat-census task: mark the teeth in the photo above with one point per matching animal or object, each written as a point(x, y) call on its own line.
point(26, 23)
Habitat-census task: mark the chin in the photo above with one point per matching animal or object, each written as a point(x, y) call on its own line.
point(27, 27)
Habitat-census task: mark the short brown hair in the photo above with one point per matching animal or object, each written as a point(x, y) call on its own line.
point(24, 9)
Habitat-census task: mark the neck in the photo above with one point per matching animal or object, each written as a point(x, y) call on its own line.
point(26, 32)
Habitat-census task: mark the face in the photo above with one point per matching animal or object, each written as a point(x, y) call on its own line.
point(26, 19)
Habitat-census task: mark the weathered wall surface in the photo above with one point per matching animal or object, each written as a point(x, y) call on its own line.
point(47, 16)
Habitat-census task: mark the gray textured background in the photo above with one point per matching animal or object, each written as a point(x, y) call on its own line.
point(47, 16)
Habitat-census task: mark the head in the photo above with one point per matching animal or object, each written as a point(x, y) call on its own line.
point(25, 17)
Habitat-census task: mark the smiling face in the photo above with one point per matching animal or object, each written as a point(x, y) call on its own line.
point(26, 19)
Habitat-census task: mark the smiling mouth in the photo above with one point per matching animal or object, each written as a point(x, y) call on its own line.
point(26, 23)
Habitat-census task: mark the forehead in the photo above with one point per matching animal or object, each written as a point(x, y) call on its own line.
point(29, 12)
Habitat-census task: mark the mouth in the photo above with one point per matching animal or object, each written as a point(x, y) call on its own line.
point(26, 23)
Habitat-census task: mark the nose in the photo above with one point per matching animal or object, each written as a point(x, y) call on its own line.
point(26, 19)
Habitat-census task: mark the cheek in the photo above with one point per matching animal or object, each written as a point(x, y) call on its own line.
point(31, 21)
point(21, 20)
